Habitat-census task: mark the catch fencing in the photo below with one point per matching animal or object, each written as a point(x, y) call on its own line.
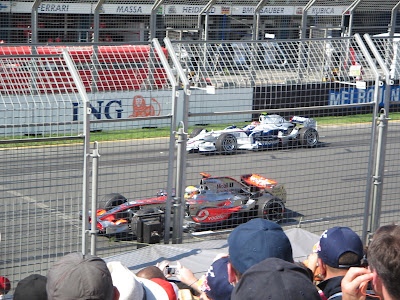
point(53, 101)
point(333, 81)
point(82, 122)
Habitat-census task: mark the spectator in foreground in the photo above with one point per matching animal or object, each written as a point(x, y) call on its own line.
point(275, 279)
point(339, 249)
point(32, 287)
point(150, 273)
point(132, 287)
point(78, 276)
point(254, 241)
point(5, 287)
point(215, 284)
point(155, 274)
point(383, 271)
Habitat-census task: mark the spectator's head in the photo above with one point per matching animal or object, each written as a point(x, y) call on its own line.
point(275, 279)
point(32, 287)
point(216, 283)
point(5, 285)
point(384, 261)
point(339, 249)
point(132, 287)
point(150, 273)
point(253, 242)
point(78, 276)
point(385, 229)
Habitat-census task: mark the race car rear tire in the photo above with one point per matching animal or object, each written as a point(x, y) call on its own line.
point(112, 200)
point(195, 132)
point(226, 143)
point(308, 137)
point(272, 210)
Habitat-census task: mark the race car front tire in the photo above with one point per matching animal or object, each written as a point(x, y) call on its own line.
point(111, 200)
point(271, 210)
point(226, 143)
point(308, 137)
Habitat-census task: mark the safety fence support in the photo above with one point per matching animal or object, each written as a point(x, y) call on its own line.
point(379, 172)
point(179, 201)
point(182, 138)
point(371, 224)
point(95, 172)
point(86, 131)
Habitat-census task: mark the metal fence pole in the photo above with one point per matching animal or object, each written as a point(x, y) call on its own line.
point(371, 161)
point(95, 171)
point(86, 133)
point(179, 203)
point(181, 154)
point(96, 22)
point(171, 153)
point(171, 158)
point(257, 19)
point(378, 83)
point(153, 19)
point(377, 188)
point(34, 22)
point(379, 170)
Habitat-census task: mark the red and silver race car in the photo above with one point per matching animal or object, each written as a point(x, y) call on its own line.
point(215, 201)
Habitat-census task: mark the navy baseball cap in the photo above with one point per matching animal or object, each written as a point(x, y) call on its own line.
point(216, 281)
point(256, 240)
point(336, 241)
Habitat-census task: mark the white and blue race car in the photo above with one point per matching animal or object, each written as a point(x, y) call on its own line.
point(270, 131)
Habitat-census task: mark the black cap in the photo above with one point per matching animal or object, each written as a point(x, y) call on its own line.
point(275, 279)
point(32, 287)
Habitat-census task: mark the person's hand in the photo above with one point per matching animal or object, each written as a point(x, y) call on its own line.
point(312, 262)
point(203, 296)
point(354, 283)
point(184, 274)
point(162, 266)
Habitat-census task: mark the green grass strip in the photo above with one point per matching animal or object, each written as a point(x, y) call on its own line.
point(115, 135)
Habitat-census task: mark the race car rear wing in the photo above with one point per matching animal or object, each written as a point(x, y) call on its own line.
point(258, 181)
point(261, 182)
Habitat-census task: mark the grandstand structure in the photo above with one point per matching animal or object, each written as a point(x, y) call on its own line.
point(114, 21)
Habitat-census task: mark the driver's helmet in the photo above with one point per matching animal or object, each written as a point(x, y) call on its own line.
point(190, 191)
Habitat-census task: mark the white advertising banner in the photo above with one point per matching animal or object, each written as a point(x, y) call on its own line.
point(126, 9)
point(267, 10)
point(65, 8)
point(321, 10)
point(121, 105)
point(47, 7)
point(179, 9)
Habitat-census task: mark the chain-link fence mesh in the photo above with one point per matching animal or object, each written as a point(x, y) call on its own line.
point(316, 79)
point(385, 48)
point(41, 165)
point(236, 83)
point(43, 129)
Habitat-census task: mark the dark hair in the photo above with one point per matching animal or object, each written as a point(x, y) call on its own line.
point(150, 273)
point(385, 229)
point(384, 258)
point(349, 259)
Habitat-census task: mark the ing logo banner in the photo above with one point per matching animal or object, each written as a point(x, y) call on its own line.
point(143, 108)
